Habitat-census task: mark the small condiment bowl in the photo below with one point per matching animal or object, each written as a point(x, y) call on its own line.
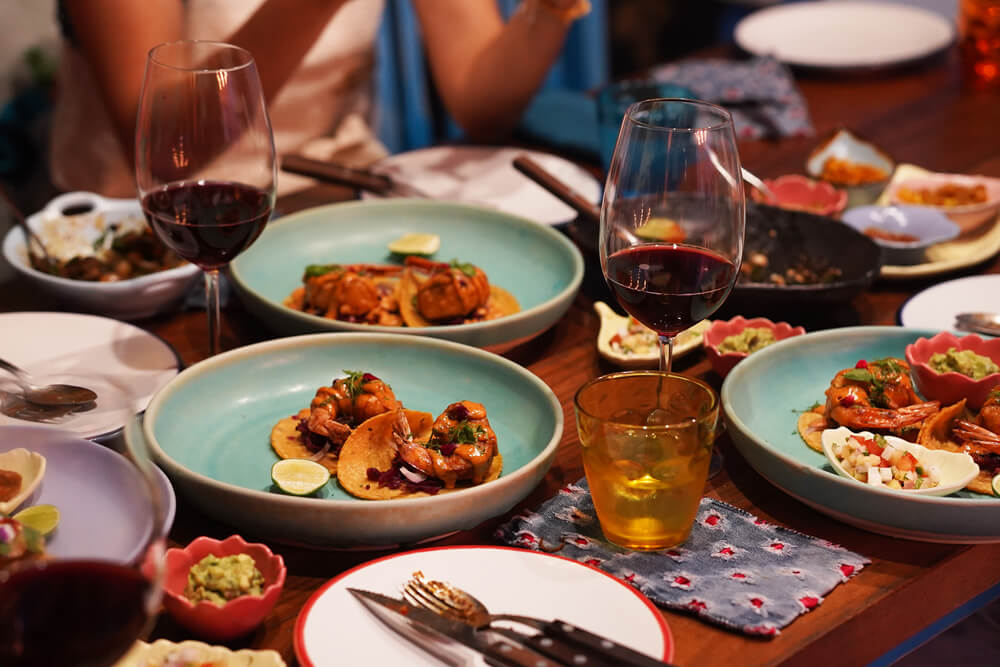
point(923, 225)
point(238, 616)
point(799, 193)
point(721, 362)
point(30, 466)
point(957, 469)
point(966, 216)
point(952, 387)
point(613, 324)
point(845, 145)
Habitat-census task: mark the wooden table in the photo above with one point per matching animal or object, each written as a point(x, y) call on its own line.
point(923, 116)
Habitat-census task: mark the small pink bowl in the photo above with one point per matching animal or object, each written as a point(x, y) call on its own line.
point(799, 193)
point(238, 616)
point(720, 330)
point(968, 216)
point(952, 387)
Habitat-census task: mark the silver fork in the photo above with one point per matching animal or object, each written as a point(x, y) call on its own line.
point(556, 639)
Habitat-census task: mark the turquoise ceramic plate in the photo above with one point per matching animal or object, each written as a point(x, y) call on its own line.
point(762, 398)
point(209, 429)
point(536, 264)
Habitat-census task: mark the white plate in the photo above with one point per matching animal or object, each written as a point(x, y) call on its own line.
point(936, 307)
point(844, 35)
point(333, 628)
point(486, 176)
point(124, 364)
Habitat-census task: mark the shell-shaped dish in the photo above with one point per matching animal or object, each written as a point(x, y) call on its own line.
point(957, 469)
point(196, 653)
point(799, 193)
point(722, 363)
point(30, 466)
point(951, 387)
point(238, 616)
point(926, 225)
point(966, 216)
point(613, 324)
point(845, 145)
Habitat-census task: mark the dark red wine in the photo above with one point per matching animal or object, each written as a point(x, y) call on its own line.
point(207, 222)
point(670, 287)
point(84, 613)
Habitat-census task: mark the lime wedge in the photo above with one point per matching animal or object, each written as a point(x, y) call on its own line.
point(996, 485)
point(43, 518)
point(661, 229)
point(299, 477)
point(416, 244)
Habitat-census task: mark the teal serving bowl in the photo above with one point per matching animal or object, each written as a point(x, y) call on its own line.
point(762, 398)
point(537, 264)
point(209, 429)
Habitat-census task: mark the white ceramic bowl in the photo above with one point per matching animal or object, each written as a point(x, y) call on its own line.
point(134, 298)
point(966, 216)
point(956, 468)
point(845, 145)
point(613, 324)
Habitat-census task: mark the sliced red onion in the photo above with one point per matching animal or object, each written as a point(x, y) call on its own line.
point(321, 453)
point(414, 476)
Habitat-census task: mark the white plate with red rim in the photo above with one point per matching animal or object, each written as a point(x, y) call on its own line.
point(124, 364)
point(335, 628)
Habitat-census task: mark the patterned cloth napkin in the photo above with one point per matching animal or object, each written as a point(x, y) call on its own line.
point(760, 94)
point(734, 570)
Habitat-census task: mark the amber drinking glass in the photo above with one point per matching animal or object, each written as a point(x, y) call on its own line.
point(979, 39)
point(646, 441)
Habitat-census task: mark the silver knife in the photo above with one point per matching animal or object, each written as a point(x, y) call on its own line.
point(362, 179)
point(409, 620)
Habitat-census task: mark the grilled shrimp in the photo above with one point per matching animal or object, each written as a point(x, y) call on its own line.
point(462, 445)
point(452, 291)
point(876, 395)
point(350, 401)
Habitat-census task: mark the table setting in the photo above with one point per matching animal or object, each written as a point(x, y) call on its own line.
point(441, 415)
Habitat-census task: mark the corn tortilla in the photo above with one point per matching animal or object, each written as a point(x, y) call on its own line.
point(500, 303)
point(287, 442)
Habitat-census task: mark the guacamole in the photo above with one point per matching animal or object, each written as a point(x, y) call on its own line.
point(219, 580)
point(747, 341)
point(966, 362)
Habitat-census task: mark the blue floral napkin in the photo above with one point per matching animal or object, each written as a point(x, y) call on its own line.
point(735, 570)
point(760, 93)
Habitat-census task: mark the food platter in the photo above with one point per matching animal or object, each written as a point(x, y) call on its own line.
point(333, 627)
point(761, 397)
point(209, 430)
point(105, 520)
point(124, 364)
point(538, 265)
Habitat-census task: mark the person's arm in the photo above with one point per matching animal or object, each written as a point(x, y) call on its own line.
point(487, 71)
point(115, 36)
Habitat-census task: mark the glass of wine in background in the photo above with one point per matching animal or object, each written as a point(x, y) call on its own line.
point(673, 216)
point(205, 163)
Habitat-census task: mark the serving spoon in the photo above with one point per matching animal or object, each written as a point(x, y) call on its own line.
point(49, 395)
point(986, 323)
point(43, 261)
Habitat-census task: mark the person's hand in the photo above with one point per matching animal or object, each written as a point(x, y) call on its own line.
point(566, 11)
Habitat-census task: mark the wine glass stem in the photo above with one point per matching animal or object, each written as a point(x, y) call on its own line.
point(666, 353)
point(212, 309)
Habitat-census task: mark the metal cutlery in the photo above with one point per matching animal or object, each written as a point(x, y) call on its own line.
point(557, 639)
point(361, 179)
point(42, 261)
point(556, 187)
point(985, 323)
point(49, 395)
point(443, 637)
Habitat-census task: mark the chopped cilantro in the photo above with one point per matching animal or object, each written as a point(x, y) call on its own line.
point(465, 433)
point(355, 379)
point(316, 270)
point(464, 267)
point(859, 375)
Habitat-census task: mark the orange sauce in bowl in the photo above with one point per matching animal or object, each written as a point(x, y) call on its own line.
point(883, 235)
point(845, 172)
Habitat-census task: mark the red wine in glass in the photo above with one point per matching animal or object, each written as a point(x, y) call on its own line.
point(670, 287)
point(207, 223)
point(83, 613)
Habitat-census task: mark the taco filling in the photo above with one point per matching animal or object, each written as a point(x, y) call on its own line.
point(361, 293)
point(438, 293)
point(319, 431)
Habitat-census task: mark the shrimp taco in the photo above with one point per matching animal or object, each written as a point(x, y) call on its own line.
point(438, 293)
point(363, 293)
point(319, 431)
point(956, 429)
point(402, 454)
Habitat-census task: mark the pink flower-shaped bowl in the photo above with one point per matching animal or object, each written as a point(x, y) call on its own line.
point(238, 616)
point(952, 387)
point(720, 330)
point(799, 193)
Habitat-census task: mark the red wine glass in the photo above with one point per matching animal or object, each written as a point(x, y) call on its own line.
point(205, 160)
point(673, 217)
point(84, 600)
